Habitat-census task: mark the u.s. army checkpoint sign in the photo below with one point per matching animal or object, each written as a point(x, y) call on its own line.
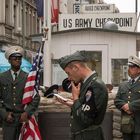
point(125, 21)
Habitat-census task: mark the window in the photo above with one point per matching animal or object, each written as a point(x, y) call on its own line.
point(119, 71)
point(94, 61)
point(7, 12)
point(15, 17)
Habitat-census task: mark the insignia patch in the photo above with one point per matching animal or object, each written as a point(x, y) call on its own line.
point(88, 95)
point(85, 107)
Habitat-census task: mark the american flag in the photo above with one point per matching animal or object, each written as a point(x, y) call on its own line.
point(29, 130)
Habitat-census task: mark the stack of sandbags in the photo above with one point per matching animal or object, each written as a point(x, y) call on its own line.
point(111, 97)
point(117, 135)
point(51, 104)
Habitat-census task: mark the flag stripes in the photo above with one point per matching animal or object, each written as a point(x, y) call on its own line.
point(30, 130)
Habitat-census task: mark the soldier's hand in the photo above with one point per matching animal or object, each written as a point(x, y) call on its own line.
point(126, 108)
point(10, 117)
point(24, 117)
point(75, 90)
point(128, 112)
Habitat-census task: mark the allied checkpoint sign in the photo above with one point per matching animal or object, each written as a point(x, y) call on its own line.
point(97, 8)
point(125, 21)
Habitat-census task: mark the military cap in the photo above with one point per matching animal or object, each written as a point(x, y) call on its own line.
point(64, 61)
point(14, 51)
point(134, 61)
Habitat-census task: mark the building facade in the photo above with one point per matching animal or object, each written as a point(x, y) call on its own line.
point(18, 20)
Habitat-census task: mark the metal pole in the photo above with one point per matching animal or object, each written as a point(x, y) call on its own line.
point(137, 17)
point(136, 7)
point(47, 52)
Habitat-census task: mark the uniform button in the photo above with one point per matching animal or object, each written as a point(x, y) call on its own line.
point(14, 93)
point(14, 98)
point(128, 101)
point(14, 104)
point(14, 87)
point(71, 117)
point(129, 91)
point(129, 97)
point(70, 124)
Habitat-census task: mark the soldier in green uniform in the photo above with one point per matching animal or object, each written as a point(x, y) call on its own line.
point(89, 102)
point(12, 84)
point(128, 101)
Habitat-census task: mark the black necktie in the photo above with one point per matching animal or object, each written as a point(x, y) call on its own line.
point(133, 81)
point(15, 74)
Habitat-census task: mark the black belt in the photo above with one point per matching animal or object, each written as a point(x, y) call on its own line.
point(14, 111)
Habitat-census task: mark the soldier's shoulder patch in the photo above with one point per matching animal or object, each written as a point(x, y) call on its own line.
point(89, 94)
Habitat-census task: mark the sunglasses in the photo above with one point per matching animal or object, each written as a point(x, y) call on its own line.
point(133, 66)
point(15, 58)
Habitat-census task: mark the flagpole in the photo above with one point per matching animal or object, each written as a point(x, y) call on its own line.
point(136, 7)
point(47, 45)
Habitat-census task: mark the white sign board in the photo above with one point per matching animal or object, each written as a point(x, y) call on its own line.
point(97, 8)
point(63, 6)
point(125, 21)
point(76, 7)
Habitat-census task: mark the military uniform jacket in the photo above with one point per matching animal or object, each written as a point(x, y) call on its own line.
point(128, 93)
point(90, 108)
point(11, 94)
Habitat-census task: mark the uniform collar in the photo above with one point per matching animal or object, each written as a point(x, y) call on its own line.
point(12, 72)
point(134, 79)
point(89, 76)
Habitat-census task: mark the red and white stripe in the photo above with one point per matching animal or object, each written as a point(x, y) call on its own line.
point(29, 91)
point(30, 130)
point(54, 10)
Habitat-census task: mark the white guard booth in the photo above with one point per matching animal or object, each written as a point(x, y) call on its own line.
point(107, 50)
